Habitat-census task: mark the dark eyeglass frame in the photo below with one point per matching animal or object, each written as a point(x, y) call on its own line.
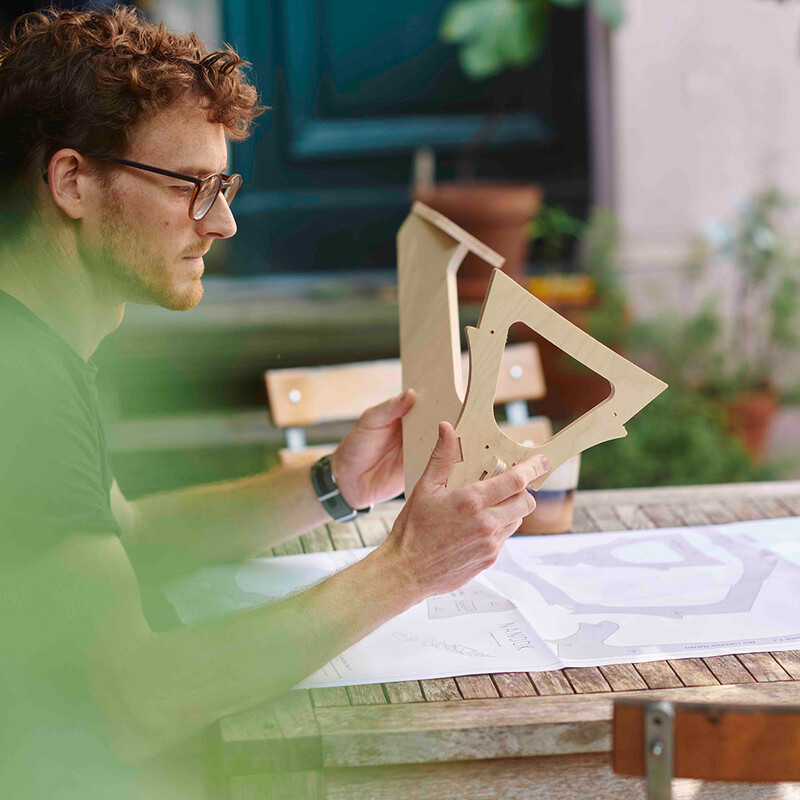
point(228, 185)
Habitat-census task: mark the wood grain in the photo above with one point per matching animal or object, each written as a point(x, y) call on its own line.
point(404, 692)
point(366, 694)
point(330, 696)
point(658, 675)
point(763, 667)
point(476, 687)
point(790, 661)
point(437, 690)
point(586, 680)
point(693, 672)
point(317, 540)
point(728, 670)
point(552, 682)
point(514, 684)
point(373, 530)
point(623, 677)
point(344, 535)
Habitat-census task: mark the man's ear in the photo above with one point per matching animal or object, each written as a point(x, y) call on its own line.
point(67, 182)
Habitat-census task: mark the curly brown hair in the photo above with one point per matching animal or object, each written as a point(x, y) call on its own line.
point(83, 79)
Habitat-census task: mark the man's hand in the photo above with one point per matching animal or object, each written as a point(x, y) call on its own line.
point(444, 537)
point(368, 464)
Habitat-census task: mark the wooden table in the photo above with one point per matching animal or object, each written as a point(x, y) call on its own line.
point(518, 735)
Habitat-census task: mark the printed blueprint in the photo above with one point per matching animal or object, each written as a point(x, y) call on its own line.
point(556, 601)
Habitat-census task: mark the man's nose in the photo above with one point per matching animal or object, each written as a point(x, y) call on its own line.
point(219, 221)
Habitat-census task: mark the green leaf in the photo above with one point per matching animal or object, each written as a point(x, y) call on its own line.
point(612, 11)
point(480, 59)
point(520, 33)
point(468, 19)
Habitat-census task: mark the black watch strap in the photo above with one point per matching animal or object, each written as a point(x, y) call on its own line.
point(324, 483)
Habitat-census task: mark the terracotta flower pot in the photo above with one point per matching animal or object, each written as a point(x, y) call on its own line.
point(499, 214)
point(750, 417)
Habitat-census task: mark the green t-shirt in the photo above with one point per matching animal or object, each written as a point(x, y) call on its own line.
point(54, 471)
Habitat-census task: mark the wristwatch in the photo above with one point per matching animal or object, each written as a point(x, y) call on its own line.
point(324, 483)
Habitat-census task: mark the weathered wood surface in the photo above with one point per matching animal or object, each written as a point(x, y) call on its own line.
point(358, 737)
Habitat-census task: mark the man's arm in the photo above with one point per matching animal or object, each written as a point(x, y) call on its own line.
point(235, 520)
point(156, 689)
point(227, 521)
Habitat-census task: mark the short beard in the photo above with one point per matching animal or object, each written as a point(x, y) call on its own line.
point(125, 264)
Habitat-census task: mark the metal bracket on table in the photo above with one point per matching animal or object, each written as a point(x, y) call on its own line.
point(659, 718)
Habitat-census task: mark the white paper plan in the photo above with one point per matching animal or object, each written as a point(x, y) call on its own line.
point(549, 602)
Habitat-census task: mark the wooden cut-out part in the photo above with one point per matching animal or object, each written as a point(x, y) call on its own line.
point(430, 249)
point(483, 444)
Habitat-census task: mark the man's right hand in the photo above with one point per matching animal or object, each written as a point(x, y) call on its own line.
point(444, 537)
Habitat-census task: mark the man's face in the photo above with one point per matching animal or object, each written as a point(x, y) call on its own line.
point(144, 239)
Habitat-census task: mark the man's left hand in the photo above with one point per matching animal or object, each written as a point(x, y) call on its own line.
point(368, 464)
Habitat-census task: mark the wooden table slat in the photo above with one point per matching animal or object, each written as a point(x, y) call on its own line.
point(691, 514)
point(623, 677)
point(790, 661)
point(582, 522)
point(658, 675)
point(743, 508)
point(368, 694)
point(317, 540)
point(793, 504)
point(693, 672)
point(290, 548)
point(718, 513)
point(728, 670)
point(771, 507)
point(604, 518)
point(330, 697)
point(476, 687)
point(763, 667)
point(439, 689)
point(514, 684)
point(345, 535)
point(587, 680)
point(633, 517)
point(404, 692)
point(373, 530)
point(662, 515)
point(551, 682)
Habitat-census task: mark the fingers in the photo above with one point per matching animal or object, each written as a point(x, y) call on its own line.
point(390, 410)
point(514, 480)
point(515, 507)
point(444, 454)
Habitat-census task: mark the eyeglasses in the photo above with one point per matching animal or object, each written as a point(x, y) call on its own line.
point(205, 189)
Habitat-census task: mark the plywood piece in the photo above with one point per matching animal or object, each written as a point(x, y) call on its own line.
point(404, 692)
point(514, 684)
point(484, 446)
point(623, 677)
point(430, 249)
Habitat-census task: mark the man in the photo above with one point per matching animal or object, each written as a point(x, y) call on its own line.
point(114, 186)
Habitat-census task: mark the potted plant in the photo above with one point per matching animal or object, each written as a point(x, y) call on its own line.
point(492, 36)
